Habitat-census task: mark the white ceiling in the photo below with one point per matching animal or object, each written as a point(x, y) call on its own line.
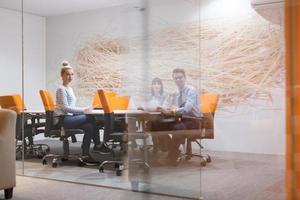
point(61, 7)
point(272, 10)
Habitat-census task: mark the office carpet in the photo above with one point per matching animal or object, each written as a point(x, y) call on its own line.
point(233, 176)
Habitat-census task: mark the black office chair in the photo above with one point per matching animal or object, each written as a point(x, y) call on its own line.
point(114, 133)
point(116, 141)
point(32, 127)
point(28, 124)
point(58, 132)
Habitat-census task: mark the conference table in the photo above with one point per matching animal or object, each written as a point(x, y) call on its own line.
point(134, 118)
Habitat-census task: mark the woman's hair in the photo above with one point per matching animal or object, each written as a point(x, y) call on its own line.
point(159, 81)
point(64, 67)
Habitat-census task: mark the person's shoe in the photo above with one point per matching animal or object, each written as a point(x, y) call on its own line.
point(102, 149)
point(88, 159)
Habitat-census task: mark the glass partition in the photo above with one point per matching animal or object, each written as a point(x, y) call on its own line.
point(11, 66)
point(242, 60)
point(181, 98)
point(167, 42)
point(119, 48)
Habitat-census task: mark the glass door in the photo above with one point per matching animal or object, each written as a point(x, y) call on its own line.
point(12, 68)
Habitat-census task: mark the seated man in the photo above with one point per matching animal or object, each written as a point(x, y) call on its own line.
point(186, 104)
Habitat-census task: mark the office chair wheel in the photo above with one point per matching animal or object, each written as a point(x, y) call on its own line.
point(119, 172)
point(208, 159)
point(203, 163)
point(117, 165)
point(18, 155)
point(44, 162)
point(101, 169)
point(55, 162)
point(54, 165)
point(81, 163)
point(40, 155)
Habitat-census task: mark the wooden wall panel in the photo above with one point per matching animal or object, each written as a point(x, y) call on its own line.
point(292, 30)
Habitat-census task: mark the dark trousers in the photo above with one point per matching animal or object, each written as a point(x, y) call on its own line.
point(171, 144)
point(87, 124)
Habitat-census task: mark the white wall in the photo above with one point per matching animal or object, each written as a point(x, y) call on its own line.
point(247, 129)
point(11, 56)
point(251, 129)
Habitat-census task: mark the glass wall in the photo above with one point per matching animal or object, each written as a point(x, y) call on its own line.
point(167, 42)
point(182, 98)
point(242, 59)
point(12, 68)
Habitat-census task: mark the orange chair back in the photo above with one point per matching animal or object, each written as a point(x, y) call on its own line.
point(208, 102)
point(13, 102)
point(47, 100)
point(105, 101)
point(120, 102)
point(111, 102)
point(96, 99)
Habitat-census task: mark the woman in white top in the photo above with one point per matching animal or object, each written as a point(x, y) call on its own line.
point(156, 101)
point(70, 116)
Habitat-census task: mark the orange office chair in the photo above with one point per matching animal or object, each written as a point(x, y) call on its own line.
point(54, 131)
point(120, 102)
point(208, 106)
point(97, 105)
point(32, 127)
point(113, 127)
point(12, 102)
point(96, 99)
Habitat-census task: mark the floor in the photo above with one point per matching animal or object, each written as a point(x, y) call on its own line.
point(29, 188)
point(233, 176)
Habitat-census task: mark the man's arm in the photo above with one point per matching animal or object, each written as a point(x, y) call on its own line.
point(189, 103)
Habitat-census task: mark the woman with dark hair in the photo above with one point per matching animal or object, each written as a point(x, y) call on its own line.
point(157, 99)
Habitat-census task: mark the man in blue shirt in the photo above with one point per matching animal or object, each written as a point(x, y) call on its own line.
point(186, 104)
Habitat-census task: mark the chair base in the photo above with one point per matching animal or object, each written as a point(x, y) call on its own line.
point(8, 193)
point(119, 166)
point(204, 159)
point(56, 160)
point(35, 150)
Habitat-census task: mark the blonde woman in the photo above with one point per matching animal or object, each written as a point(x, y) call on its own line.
point(70, 116)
